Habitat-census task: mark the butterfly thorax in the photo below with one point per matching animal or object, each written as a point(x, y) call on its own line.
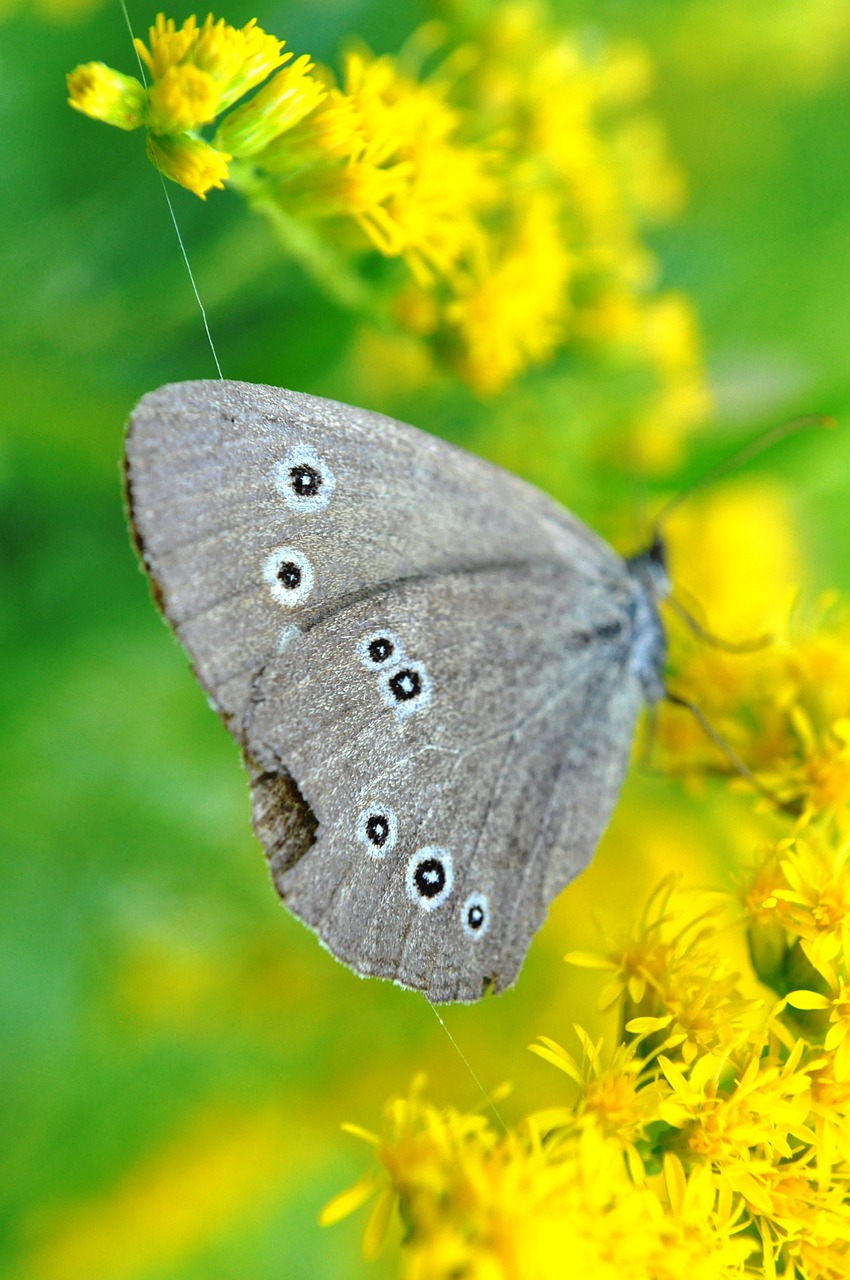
point(649, 645)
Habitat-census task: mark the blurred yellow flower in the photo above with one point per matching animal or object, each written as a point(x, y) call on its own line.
point(58, 10)
point(513, 311)
point(182, 98)
point(287, 98)
point(514, 1207)
point(408, 181)
point(97, 91)
point(513, 179)
point(784, 708)
point(190, 161)
point(784, 705)
point(235, 59)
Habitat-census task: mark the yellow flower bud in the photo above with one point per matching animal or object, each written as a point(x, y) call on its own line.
point(288, 97)
point(182, 99)
point(190, 161)
point(104, 94)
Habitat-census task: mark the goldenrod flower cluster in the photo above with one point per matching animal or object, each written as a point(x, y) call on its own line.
point(513, 180)
point(196, 73)
point(712, 1137)
point(714, 1141)
point(783, 708)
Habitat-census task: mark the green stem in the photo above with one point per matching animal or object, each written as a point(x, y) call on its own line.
point(302, 241)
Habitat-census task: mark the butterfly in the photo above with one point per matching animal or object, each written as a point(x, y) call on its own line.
point(432, 669)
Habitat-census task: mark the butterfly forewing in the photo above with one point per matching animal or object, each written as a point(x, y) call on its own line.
point(256, 508)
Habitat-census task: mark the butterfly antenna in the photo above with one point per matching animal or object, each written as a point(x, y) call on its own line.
point(729, 752)
point(708, 637)
point(752, 450)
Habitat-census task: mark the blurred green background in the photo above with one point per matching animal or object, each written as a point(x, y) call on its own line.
point(178, 1052)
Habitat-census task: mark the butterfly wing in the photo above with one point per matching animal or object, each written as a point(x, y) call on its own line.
point(417, 652)
point(257, 510)
point(448, 818)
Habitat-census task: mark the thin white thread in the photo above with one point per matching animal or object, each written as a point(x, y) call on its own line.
point(490, 1103)
point(171, 207)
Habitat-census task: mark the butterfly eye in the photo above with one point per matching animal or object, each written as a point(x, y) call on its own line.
point(377, 830)
point(429, 877)
point(289, 576)
point(379, 650)
point(304, 480)
point(475, 915)
point(406, 688)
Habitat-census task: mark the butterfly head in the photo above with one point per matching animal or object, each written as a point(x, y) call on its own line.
point(650, 568)
point(649, 645)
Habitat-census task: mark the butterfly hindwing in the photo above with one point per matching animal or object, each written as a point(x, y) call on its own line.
point(494, 778)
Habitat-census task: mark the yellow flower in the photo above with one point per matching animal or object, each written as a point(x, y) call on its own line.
point(98, 91)
point(168, 44)
point(197, 72)
point(235, 59)
point(513, 181)
point(712, 1146)
point(287, 98)
point(764, 1110)
point(512, 312)
point(182, 98)
point(621, 1099)
point(672, 970)
point(837, 1039)
point(511, 1208)
point(831, 1113)
point(190, 161)
point(408, 181)
point(814, 900)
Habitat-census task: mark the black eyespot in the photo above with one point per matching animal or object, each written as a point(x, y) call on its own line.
point(289, 575)
point(475, 916)
point(380, 648)
point(405, 684)
point(377, 829)
point(305, 480)
point(429, 877)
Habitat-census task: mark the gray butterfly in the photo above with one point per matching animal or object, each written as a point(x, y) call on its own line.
point(433, 670)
